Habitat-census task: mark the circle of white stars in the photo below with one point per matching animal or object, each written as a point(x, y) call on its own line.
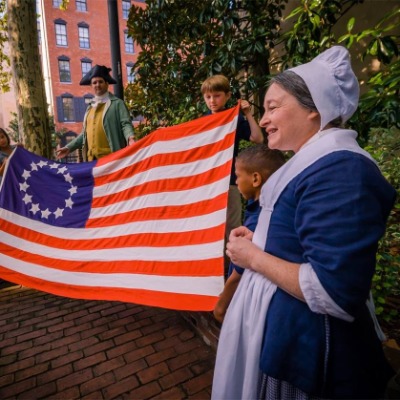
point(36, 207)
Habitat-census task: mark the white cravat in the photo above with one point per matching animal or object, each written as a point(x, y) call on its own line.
point(100, 99)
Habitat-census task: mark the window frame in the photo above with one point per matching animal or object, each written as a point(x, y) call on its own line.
point(64, 71)
point(129, 43)
point(129, 76)
point(82, 5)
point(70, 110)
point(125, 11)
point(85, 61)
point(81, 38)
point(61, 37)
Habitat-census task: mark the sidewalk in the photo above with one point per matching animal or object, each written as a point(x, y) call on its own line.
point(59, 348)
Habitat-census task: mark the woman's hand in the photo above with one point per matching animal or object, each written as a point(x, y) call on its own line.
point(240, 248)
point(241, 231)
point(244, 253)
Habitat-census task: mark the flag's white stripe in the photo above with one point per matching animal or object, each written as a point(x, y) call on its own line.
point(183, 170)
point(207, 286)
point(175, 253)
point(170, 226)
point(180, 198)
point(169, 146)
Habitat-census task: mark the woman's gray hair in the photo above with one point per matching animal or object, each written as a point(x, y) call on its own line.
point(295, 85)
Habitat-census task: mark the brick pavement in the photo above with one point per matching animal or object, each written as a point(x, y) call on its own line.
point(58, 348)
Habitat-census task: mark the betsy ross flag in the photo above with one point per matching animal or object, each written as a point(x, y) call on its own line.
point(144, 225)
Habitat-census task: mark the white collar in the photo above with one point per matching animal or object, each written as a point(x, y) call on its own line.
point(100, 99)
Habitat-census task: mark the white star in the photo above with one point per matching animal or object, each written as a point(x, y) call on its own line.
point(46, 213)
point(68, 178)
point(35, 208)
point(34, 167)
point(68, 203)
point(27, 199)
point(73, 190)
point(53, 166)
point(42, 163)
point(62, 170)
point(26, 174)
point(23, 187)
point(58, 212)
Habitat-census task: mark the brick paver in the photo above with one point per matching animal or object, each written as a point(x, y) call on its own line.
point(58, 348)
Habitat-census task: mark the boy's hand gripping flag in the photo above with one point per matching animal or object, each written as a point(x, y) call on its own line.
point(144, 225)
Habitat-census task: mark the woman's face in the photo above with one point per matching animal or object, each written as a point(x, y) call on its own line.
point(287, 123)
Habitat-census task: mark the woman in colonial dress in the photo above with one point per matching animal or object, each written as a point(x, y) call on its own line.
point(299, 325)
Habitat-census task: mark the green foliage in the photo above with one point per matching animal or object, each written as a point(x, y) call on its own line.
point(12, 129)
point(379, 107)
point(182, 46)
point(312, 29)
point(382, 44)
point(5, 76)
point(384, 147)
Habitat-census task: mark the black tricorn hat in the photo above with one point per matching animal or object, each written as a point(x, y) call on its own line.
point(98, 71)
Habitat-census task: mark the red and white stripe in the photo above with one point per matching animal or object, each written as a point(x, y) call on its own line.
point(155, 234)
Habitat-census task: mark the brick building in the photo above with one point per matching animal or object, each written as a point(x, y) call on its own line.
point(71, 42)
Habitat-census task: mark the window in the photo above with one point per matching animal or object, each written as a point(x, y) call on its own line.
point(126, 6)
point(86, 66)
point(81, 5)
point(64, 69)
point(129, 48)
point(129, 72)
point(83, 36)
point(57, 3)
point(68, 108)
point(61, 34)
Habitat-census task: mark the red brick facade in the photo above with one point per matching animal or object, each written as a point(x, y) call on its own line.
point(95, 21)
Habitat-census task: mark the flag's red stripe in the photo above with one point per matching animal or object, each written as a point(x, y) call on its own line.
point(166, 160)
point(208, 267)
point(175, 132)
point(168, 239)
point(165, 185)
point(174, 301)
point(161, 213)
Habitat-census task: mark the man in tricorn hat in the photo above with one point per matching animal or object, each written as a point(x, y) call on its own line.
point(107, 125)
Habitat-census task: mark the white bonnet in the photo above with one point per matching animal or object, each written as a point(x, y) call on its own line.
point(332, 83)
